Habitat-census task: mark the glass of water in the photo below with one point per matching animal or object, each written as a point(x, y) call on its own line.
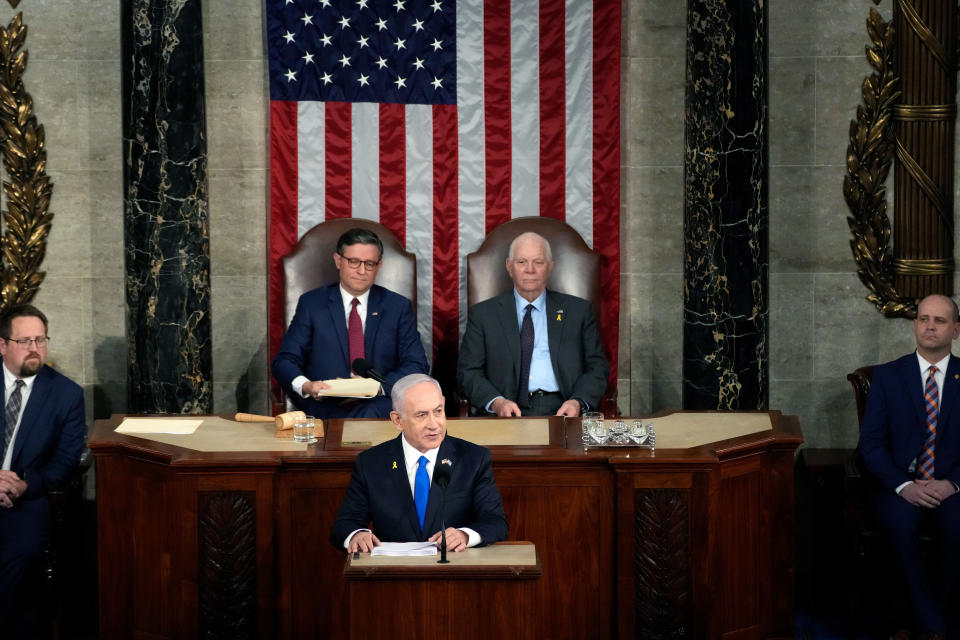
point(593, 426)
point(304, 429)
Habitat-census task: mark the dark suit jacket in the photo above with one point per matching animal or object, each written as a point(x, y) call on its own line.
point(50, 441)
point(379, 496)
point(490, 351)
point(894, 423)
point(316, 343)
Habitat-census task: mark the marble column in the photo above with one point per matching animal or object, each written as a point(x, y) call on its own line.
point(166, 228)
point(725, 309)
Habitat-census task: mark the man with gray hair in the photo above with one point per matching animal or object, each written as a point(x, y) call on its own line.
point(532, 351)
point(391, 494)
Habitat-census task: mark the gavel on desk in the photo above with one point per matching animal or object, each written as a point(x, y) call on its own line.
point(283, 422)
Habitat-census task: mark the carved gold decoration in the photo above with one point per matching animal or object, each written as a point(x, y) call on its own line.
point(26, 218)
point(869, 157)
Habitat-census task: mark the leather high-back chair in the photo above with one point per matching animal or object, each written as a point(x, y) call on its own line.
point(576, 271)
point(310, 264)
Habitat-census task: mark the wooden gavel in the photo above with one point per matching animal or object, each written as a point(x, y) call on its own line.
point(283, 422)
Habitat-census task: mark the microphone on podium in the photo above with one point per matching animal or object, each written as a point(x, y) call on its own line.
point(441, 477)
point(365, 369)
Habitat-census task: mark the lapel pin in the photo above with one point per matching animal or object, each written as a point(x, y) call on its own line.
point(394, 464)
point(447, 462)
point(956, 376)
point(559, 315)
point(374, 313)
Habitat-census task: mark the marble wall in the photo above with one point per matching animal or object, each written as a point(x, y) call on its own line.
point(820, 325)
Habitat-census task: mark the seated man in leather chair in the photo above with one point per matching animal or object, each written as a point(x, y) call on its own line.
point(341, 322)
point(531, 351)
point(910, 444)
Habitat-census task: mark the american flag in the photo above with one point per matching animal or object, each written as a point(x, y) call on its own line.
point(442, 119)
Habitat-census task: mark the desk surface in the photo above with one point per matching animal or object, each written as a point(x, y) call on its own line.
point(515, 559)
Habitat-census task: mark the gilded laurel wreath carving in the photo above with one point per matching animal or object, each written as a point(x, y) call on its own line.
point(26, 218)
point(869, 158)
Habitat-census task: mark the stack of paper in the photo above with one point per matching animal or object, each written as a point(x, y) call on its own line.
point(406, 549)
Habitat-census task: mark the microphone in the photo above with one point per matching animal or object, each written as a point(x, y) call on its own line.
point(364, 368)
point(441, 477)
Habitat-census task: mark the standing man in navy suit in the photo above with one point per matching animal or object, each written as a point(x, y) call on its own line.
point(910, 443)
point(336, 324)
point(531, 351)
point(42, 436)
point(391, 496)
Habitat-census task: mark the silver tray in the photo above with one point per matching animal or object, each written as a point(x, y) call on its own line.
point(621, 435)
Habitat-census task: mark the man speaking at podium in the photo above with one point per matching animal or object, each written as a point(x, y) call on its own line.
point(391, 486)
point(337, 324)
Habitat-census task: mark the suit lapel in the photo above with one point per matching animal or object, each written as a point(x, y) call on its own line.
point(338, 321)
point(401, 484)
point(949, 395)
point(30, 416)
point(374, 315)
point(511, 331)
point(431, 520)
point(555, 324)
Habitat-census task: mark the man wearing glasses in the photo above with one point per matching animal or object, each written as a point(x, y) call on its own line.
point(335, 325)
point(42, 436)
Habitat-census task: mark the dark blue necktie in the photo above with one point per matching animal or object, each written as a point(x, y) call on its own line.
point(421, 489)
point(11, 415)
point(526, 354)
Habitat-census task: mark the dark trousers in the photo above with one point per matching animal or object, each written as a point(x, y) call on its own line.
point(928, 594)
point(542, 403)
point(23, 532)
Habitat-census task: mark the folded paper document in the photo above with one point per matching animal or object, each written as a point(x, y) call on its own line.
point(406, 549)
point(184, 426)
point(351, 388)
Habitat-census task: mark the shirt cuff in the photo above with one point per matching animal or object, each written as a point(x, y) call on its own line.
point(473, 538)
point(297, 385)
point(489, 410)
point(900, 488)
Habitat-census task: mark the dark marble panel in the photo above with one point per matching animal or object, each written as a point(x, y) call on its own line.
point(166, 222)
point(725, 342)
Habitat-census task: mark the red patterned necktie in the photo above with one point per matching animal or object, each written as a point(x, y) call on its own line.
point(355, 333)
point(931, 403)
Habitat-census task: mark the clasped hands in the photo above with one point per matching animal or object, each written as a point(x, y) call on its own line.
point(506, 408)
point(928, 493)
point(11, 488)
point(366, 541)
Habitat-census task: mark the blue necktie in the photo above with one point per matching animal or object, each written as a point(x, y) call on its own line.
point(421, 489)
point(526, 355)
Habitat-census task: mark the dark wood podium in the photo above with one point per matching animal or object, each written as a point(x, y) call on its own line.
point(487, 590)
point(689, 541)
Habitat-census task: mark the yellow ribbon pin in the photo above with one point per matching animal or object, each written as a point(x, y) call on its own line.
point(394, 464)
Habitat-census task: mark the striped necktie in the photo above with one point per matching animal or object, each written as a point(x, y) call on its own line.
point(931, 403)
point(10, 417)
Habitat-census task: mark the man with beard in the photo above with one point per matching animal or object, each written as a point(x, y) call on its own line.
point(42, 436)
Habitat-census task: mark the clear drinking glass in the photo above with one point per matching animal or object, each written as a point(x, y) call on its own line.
point(593, 426)
point(304, 429)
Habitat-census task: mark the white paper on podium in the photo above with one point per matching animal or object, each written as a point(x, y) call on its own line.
point(351, 388)
point(406, 549)
point(183, 426)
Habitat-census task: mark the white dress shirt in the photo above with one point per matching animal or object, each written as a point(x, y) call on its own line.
point(9, 382)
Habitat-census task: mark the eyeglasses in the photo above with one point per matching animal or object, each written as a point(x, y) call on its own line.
point(356, 262)
point(23, 343)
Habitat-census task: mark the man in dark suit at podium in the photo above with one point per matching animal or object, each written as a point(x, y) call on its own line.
point(532, 351)
point(336, 324)
point(42, 436)
point(910, 443)
point(391, 488)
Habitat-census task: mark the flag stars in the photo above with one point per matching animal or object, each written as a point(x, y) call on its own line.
point(400, 82)
point(308, 58)
point(325, 3)
point(418, 25)
point(325, 39)
point(306, 19)
point(418, 63)
point(381, 24)
point(363, 80)
point(288, 37)
point(291, 76)
point(437, 83)
point(362, 41)
point(381, 62)
point(362, 4)
point(436, 44)
point(344, 60)
point(326, 78)
point(400, 44)
point(399, 5)
point(344, 22)
point(436, 6)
